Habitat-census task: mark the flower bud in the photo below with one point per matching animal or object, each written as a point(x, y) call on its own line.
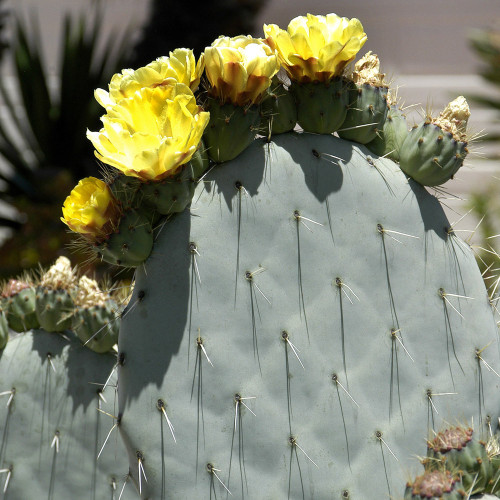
point(91, 209)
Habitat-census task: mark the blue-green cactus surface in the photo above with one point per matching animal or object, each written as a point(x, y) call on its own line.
point(301, 330)
point(52, 431)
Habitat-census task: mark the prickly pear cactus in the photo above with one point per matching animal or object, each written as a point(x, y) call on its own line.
point(300, 330)
point(52, 434)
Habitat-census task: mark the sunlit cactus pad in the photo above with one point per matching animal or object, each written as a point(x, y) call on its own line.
point(301, 330)
point(51, 432)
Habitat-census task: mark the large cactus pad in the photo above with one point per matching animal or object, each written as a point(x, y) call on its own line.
point(301, 330)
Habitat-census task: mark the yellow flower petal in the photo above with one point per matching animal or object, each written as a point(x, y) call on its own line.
point(316, 48)
point(152, 133)
point(90, 209)
point(231, 63)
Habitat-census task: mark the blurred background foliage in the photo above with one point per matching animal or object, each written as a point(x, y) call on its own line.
point(485, 203)
point(43, 147)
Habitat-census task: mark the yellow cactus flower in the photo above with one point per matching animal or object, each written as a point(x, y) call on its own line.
point(316, 48)
point(90, 209)
point(152, 133)
point(240, 69)
point(179, 67)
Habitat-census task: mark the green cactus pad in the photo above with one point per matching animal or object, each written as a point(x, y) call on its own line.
point(459, 450)
point(124, 189)
point(321, 108)
point(431, 156)
point(366, 113)
point(52, 431)
point(293, 333)
point(21, 310)
point(53, 309)
point(97, 327)
point(389, 140)
point(131, 243)
point(278, 110)
point(436, 485)
point(231, 129)
point(172, 195)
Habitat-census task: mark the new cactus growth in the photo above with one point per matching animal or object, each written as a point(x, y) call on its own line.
point(475, 460)
point(95, 317)
point(278, 110)
point(54, 297)
point(389, 140)
point(436, 485)
point(367, 108)
point(19, 304)
point(434, 150)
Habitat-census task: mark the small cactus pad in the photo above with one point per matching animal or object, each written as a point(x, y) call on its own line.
point(436, 485)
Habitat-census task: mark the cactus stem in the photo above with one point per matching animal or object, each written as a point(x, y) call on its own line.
point(160, 405)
